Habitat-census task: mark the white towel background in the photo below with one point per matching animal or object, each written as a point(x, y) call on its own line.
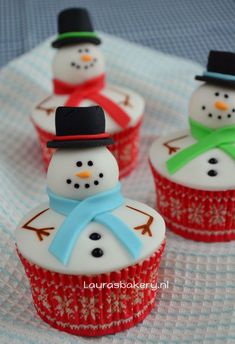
point(198, 306)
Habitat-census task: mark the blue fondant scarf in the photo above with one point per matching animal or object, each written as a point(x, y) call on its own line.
point(79, 214)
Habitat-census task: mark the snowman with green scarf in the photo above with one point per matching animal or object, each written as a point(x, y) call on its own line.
point(203, 157)
point(87, 226)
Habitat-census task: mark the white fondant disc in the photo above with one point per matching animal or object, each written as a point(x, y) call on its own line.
point(197, 173)
point(115, 256)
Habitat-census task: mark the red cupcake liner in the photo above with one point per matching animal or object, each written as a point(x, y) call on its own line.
point(125, 147)
point(198, 215)
point(68, 304)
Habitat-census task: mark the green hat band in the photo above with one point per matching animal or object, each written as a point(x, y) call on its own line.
point(77, 34)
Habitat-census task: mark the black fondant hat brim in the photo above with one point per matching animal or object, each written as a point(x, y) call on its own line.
point(216, 81)
point(58, 43)
point(80, 143)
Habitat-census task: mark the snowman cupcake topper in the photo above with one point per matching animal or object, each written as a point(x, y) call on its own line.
point(89, 234)
point(78, 65)
point(85, 201)
point(211, 111)
point(194, 169)
point(78, 57)
point(83, 186)
point(79, 79)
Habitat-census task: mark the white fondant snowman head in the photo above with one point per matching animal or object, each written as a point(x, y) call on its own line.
point(78, 57)
point(77, 63)
point(82, 166)
point(80, 173)
point(213, 105)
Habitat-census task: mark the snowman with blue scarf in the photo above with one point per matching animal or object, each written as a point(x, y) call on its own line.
point(87, 226)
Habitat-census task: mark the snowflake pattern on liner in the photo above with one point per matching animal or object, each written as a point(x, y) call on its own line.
point(217, 215)
point(64, 302)
point(63, 306)
point(89, 307)
point(162, 199)
point(85, 307)
point(42, 296)
point(70, 303)
point(176, 208)
point(117, 303)
point(195, 211)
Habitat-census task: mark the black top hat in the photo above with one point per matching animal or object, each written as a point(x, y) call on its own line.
point(80, 127)
point(74, 26)
point(220, 69)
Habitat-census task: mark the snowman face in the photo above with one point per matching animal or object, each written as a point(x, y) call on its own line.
point(80, 173)
point(75, 64)
point(213, 106)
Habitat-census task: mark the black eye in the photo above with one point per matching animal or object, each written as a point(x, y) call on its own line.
point(216, 94)
point(79, 164)
point(72, 64)
point(101, 175)
point(226, 96)
point(233, 110)
point(87, 50)
point(203, 107)
point(80, 50)
point(68, 181)
point(90, 163)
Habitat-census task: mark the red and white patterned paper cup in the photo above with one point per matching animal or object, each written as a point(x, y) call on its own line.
point(67, 303)
point(125, 147)
point(198, 215)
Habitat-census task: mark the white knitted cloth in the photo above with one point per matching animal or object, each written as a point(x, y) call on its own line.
point(198, 306)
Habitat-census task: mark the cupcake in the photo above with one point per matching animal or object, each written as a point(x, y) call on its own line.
point(91, 256)
point(194, 169)
point(78, 71)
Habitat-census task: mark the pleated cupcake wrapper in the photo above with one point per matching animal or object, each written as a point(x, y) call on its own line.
point(125, 147)
point(199, 215)
point(72, 304)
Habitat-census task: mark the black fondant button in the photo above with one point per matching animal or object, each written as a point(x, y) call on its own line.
point(95, 236)
point(97, 252)
point(212, 173)
point(213, 161)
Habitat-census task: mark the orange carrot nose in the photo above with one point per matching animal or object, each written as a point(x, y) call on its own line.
point(83, 174)
point(86, 58)
point(221, 106)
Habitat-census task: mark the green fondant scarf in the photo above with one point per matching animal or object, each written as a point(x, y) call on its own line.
point(223, 138)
